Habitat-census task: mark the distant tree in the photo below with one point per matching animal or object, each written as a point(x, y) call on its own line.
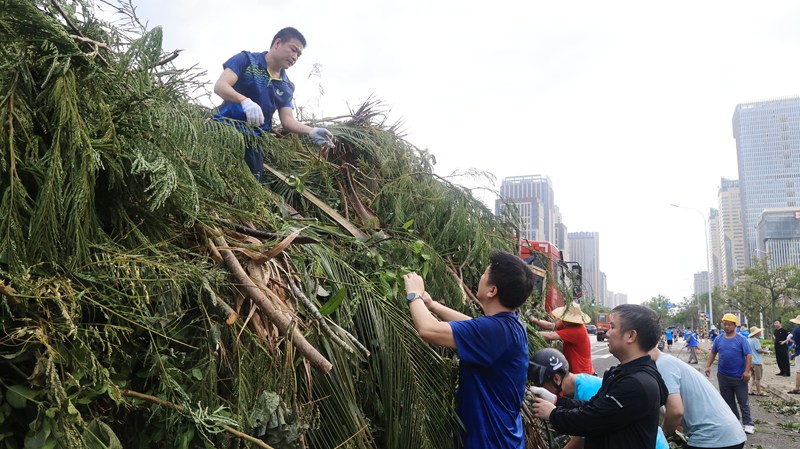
point(764, 284)
point(659, 304)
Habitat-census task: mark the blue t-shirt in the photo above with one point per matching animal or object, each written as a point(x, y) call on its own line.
point(732, 353)
point(586, 386)
point(493, 368)
point(745, 333)
point(693, 340)
point(669, 334)
point(255, 82)
point(796, 335)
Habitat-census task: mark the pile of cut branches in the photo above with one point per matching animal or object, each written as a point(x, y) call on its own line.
point(153, 294)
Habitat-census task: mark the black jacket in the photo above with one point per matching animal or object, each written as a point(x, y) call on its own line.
point(623, 413)
point(780, 334)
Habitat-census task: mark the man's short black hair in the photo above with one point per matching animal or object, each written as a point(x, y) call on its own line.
point(643, 320)
point(512, 277)
point(288, 33)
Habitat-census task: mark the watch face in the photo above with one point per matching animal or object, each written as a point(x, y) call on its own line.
point(411, 296)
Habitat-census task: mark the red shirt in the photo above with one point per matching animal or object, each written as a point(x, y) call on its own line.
point(577, 348)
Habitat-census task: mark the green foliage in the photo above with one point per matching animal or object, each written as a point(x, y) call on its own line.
point(765, 289)
point(112, 179)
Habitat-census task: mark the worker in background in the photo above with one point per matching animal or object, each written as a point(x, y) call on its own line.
point(571, 330)
point(794, 338)
point(255, 85)
point(691, 343)
point(733, 370)
point(756, 368)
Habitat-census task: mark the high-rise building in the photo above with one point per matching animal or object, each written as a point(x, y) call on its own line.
point(714, 246)
point(731, 232)
point(778, 232)
point(585, 249)
point(767, 137)
point(604, 290)
point(620, 298)
point(562, 242)
point(533, 195)
point(700, 283)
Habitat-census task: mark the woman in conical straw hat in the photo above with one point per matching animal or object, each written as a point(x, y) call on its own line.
point(570, 328)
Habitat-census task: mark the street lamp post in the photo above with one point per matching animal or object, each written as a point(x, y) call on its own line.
point(708, 264)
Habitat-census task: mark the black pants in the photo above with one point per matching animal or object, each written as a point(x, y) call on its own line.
point(782, 356)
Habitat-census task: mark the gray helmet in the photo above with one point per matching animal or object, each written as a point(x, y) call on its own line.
point(545, 364)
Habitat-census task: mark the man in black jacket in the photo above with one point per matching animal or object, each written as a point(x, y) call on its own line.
point(781, 348)
point(624, 413)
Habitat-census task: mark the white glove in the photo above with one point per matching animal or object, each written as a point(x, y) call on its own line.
point(321, 136)
point(542, 393)
point(255, 116)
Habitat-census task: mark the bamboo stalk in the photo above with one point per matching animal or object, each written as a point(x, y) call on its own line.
point(303, 346)
point(180, 408)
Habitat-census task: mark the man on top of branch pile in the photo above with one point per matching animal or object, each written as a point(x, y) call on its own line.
point(255, 85)
point(492, 350)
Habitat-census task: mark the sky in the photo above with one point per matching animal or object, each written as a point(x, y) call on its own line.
point(625, 105)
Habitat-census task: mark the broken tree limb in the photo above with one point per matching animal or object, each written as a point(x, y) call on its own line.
point(180, 408)
point(464, 287)
point(337, 217)
point(249, 287)
point(264, 234)
point(364, 214)
point(320, 319)
point(227, 311)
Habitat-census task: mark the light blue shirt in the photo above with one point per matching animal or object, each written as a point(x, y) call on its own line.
point(586, 386)
point(755, 346)
point(707, 419)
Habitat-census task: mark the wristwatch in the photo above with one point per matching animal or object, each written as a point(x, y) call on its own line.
point(412, 296)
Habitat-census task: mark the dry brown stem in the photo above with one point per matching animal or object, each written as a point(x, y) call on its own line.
point(249, 287)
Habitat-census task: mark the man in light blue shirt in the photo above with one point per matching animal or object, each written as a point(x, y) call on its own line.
point(756, 367)
point(695, 404)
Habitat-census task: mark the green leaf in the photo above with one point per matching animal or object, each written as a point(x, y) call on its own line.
point(18, 395)
point(408, 224)
point(332, 304)
point(197, 374)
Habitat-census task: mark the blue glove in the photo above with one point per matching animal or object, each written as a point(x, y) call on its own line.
point(321, 136)
point(255, 116)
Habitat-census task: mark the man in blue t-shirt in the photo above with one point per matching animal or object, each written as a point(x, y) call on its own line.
point(254, 86)
point(692, 345)
point(492, 351)
point(669, 339)
point(733, 370)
